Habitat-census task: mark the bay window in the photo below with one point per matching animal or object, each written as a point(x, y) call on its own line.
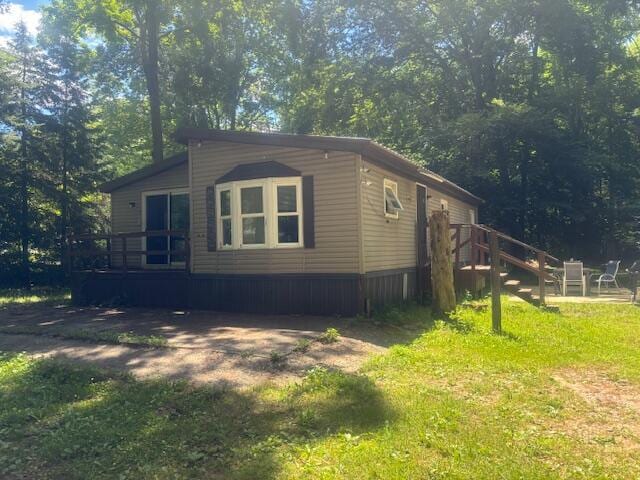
point(265, 213)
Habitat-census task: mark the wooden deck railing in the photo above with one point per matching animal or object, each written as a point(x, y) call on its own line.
point(486, 245)
point(116, 246)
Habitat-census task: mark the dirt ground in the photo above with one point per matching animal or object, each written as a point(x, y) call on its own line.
point(202, 346)
point(609, 411)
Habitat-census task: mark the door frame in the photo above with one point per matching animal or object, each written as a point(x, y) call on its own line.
point(168, 192)
point(422, 281)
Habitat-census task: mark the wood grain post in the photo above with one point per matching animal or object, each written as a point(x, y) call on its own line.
point(541, 275)
point(444, 295)
point(474, 259)
point(496, 282)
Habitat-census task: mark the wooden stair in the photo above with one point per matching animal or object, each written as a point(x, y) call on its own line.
point(512, 286)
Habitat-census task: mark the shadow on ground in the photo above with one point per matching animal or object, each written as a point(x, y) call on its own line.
point(228, 348)
point(76, 422)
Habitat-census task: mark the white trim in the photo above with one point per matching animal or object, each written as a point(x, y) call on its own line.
point(168, 192)
point(387, 183)
point(269, 212)
point(444, 204)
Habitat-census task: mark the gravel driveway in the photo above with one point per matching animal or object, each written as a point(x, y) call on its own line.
point(201, 346)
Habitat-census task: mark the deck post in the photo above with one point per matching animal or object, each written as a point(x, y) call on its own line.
point(124, 253)
point(496, 307)
point(187, 254)
point(474, 258)
point(541, 276)
point(458, 235)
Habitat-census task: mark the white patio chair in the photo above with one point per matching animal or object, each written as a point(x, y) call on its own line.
point(609, 275)
point(574, 277)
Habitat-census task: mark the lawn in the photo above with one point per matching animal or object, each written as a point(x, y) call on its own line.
point(556, 396)
point(20, 296)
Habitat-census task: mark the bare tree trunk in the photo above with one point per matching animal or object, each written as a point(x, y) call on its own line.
point(24, 188)
point(444, 295)
point(64, 202)
point(151, 72)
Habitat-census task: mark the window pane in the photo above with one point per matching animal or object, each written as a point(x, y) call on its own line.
point(287, 199)
point(253, 231)
point(288, 229)
point(225, 203)
point(251, 200)
point(226, 231)
point(391, 199)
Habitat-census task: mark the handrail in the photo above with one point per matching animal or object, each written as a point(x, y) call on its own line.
point(481, 238)
point(75, 244)
point(147, 233)
point(506, 237)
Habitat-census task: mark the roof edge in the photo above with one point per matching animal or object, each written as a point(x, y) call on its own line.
point(144, 172)
point(382, 155)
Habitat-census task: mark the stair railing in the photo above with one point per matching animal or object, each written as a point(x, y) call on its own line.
point(478, 238)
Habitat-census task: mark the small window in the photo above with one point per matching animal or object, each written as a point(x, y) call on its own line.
point(392, 204)
point(444, 204)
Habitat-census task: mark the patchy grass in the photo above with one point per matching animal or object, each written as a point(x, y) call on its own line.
point(35, 295)
point(330, 335)
point(97, 336)
point(551, 398)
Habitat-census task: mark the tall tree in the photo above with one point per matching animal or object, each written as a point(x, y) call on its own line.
point(140, 26)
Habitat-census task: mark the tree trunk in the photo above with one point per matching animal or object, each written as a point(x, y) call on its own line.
point(24, 188)
point(151, 72)
point(64, 201)
point(444, 295)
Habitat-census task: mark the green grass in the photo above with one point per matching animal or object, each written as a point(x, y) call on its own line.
point(456, 403)
point(97, 336)
point(20, 296)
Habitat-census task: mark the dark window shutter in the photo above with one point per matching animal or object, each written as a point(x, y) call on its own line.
point(211, 219)
point(308, 213)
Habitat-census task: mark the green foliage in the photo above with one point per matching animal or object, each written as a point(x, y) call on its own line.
point(330, 335)
point(456, 403)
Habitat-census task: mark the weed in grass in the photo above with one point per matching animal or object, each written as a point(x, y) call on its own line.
point(277, 359)
point(330, 335)
point(302, 345)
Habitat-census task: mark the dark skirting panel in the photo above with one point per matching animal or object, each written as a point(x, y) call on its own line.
point(390, 287)
point(313, 294)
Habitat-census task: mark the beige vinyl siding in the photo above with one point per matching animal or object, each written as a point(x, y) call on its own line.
point(336, 213)
point(127, 219)
point(389, 243)
point(459, 212)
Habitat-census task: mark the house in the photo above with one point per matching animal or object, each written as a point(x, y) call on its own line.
point(273, 223)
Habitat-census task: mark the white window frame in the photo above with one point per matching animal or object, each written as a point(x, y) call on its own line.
point(387, 183)
point(168, 193)
point(444, 204)
point(270, 212)
point(286, 182)
point(219, 216)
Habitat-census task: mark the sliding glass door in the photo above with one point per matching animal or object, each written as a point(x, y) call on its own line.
point(166, 211)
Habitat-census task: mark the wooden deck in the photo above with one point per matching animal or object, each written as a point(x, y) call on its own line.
point(614, 296)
